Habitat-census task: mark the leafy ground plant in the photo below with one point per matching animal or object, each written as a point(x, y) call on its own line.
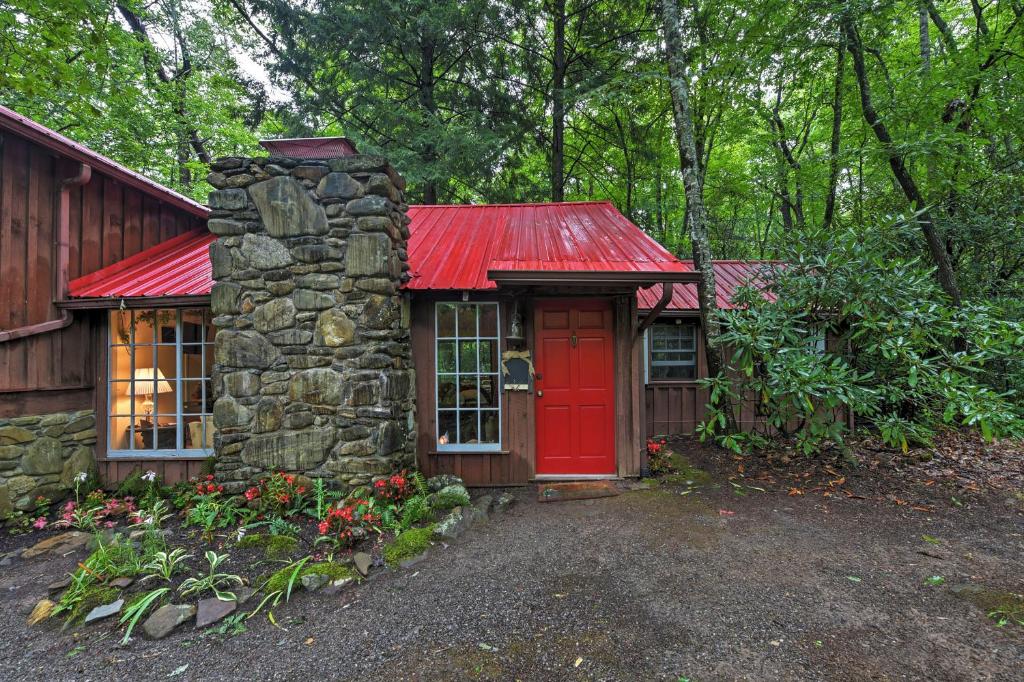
point(165, 564)
point(213, 580)
point(133, 613)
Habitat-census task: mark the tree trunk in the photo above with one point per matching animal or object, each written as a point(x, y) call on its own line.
point(837, 126)
point(696, 215)
point(558, 104)
point(943, 270)
point(429, 105)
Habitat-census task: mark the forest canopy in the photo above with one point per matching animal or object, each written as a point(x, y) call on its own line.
point(811, 119)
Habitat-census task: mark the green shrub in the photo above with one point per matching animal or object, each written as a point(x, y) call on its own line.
point(412, 542)
point(900, 356)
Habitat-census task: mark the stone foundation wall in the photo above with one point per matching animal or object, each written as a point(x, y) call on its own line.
point(313, 369)
point(42, 454)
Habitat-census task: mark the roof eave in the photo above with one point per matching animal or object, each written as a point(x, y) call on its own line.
point(590, 277)
point(43, 136)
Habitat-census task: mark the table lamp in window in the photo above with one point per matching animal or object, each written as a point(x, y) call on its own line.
point(144, 386)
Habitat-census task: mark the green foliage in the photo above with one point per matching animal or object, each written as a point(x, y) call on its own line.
point(410, 543)
point(77, 67)
point(213, 581)
point(281, 584)
point(165, 564)
point(134, 612)
point(210, 514)
point(899, 356)
point(449, 499)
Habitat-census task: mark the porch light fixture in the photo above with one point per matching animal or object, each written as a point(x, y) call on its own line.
point(144, 385)
point(515, 327)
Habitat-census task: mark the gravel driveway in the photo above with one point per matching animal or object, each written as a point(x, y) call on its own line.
point(648, 585)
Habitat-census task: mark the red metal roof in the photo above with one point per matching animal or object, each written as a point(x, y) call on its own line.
point(453, 247)
point(176, 267)
point(310, 147)
point(40, 134)
point(730, 275)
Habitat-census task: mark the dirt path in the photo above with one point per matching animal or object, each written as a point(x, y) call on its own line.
point(648, 585)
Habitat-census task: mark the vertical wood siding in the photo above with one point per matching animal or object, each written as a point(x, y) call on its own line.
point(170, 471)
point(61, 370)
point(515, 464)
point(108, 222)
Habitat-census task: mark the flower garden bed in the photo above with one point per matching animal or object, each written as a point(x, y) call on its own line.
point(163, 556)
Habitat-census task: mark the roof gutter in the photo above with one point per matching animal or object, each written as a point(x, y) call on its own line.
point(63, 257)
point(652, 315)
point(590, 277)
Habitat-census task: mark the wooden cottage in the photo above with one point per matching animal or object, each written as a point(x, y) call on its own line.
point(546, 341)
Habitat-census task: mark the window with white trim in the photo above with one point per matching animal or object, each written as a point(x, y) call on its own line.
point(158, 382)
point(673, 351)
point(467, 377)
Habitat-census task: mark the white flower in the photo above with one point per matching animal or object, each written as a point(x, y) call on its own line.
point(241, 534)
point(149, 476)
point(81, 477)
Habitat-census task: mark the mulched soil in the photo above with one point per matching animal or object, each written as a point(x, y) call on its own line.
point(718, 581)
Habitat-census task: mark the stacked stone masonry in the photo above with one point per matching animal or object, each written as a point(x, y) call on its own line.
point(313, 368)
point(41, 455)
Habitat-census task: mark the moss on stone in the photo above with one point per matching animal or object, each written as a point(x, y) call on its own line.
point(684, 473)
point(412, 542)
point(450, 497)
point(1000, 605)
point(278, 582)
point(93, 596)
point(274, 546)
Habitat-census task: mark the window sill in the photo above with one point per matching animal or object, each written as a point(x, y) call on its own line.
point(122, 455)
point(443, 453)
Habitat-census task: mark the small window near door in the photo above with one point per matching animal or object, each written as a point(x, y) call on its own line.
point(159, 390)
point(467, 377)
point(673, 351)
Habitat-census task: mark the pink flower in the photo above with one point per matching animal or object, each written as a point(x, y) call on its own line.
point(109, 524)
point(39, 523)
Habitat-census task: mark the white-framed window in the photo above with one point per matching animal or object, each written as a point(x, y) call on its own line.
point(160, 399)
point(467, 376)
point(672, 351)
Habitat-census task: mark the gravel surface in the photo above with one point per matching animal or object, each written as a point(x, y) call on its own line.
point(649, 585)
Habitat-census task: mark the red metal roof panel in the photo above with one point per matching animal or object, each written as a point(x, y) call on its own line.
point(176, 267)
point(453, 247)
point(310, 147)
point(730, 275)
point(40, 134)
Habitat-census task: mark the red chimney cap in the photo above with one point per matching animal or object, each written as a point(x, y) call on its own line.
point(311, 147)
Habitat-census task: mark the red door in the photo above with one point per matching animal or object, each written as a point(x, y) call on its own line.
point(575, 388)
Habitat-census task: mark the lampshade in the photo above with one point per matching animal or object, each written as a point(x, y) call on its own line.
point(143, 384)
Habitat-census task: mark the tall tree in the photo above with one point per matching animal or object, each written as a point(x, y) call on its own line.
point(415, 79)
point(696, 215)
point(936, 247)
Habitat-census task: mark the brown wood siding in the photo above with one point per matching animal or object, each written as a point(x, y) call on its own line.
point(170, 471)
point(108, 222)
point(673, 408)
point(515, 464)
point(510, 466)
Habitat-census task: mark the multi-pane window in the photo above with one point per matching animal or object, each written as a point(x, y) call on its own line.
point(161, 399)
point(673, 351)
point(468, 385)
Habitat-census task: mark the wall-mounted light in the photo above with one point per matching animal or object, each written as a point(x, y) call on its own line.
point(515, 327)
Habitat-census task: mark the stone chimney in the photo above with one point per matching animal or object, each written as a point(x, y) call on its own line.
point(313, 370)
